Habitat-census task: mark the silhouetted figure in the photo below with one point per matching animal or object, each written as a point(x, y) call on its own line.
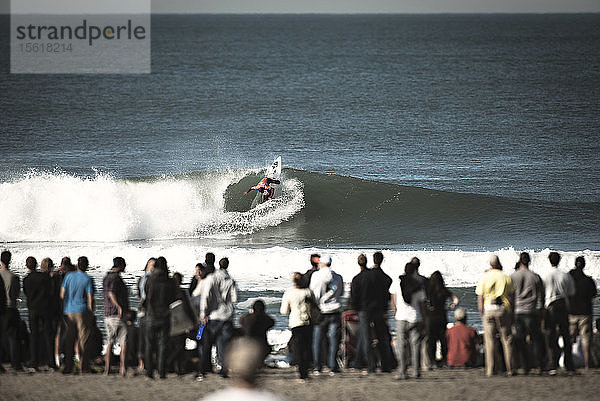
point(256, 323)
point(360, 294)
point(435, 315)
point(161, 291)
point(36, 286)
point(378, 311)
point(10, 318)
point(116, 303)
point(580, 308)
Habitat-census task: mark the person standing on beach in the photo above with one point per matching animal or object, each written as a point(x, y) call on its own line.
point(54, 309)
point(209, 263)
point(580, 308)
point(296, 303)
point(161, 291)
point(204, 359)
point(360, 295)
point(408, 305)
point(217, 312)
point(495, 297)
point(176, 344)
point(2, 313)
point(315, 258)
point(148, 269)
point(116, 303)
point(426, 360)
point(379, 306)
point(77, 294)
point(529, 302)
point(195, 278)
point(65, 268)
point(435, 317)
point(10, 317)
point(327, 287)
point(36, 286)
point(559, 286)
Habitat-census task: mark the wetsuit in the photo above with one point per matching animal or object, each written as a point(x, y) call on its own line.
point(265, 188)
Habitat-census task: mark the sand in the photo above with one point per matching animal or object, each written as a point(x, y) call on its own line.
point(435, 385)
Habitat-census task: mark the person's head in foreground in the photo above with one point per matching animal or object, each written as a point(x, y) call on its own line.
point(244, 358)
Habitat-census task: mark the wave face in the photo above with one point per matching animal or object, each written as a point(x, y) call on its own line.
point(310, 209)
point(345, 211)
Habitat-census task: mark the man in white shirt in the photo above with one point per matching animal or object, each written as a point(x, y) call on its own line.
point(328, 288)
point(559, 286)
point(408, 304)
point(217, 312)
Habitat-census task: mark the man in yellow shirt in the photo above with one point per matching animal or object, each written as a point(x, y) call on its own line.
point(495, 297)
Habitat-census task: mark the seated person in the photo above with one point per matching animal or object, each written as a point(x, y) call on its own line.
point(462, 341)
point(255, 325)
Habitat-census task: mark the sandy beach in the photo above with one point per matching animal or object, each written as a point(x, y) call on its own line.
point(435, 385)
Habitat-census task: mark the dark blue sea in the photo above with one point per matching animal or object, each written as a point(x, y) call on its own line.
point(449, 137)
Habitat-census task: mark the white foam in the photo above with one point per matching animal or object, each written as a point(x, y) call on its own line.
point(271, 269)
point(247, 304)
point(59, 207)
point(278, 339)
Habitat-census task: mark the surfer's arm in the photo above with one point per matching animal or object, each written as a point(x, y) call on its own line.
point(254, 188)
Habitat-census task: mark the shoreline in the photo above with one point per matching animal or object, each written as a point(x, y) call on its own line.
point(470, 384)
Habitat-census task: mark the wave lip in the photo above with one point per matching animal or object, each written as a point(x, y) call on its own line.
point(58, 207)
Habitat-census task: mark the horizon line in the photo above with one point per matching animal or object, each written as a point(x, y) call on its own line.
point(363, 13)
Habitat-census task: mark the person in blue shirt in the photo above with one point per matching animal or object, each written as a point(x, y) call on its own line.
point(77, 293)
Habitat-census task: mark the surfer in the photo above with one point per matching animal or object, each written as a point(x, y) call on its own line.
point(265, 188)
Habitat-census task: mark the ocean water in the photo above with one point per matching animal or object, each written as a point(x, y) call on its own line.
point(449, 137)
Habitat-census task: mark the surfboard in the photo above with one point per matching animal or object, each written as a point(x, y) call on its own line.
point(274, 172)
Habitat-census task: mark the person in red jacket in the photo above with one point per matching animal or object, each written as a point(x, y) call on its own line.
point(462, 342)
point(265, 188)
